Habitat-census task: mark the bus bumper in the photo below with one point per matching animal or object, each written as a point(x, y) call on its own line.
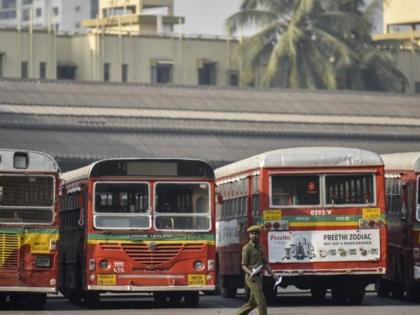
point(132, 288)
point(29, 289)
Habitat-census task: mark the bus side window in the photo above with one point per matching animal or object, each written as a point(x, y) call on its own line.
point(403, 202)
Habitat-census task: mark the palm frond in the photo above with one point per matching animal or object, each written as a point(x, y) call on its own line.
point(249, 18)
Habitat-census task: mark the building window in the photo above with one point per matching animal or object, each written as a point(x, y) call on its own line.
point(77, 25)
point(124, 73)
point(8, 4)
point(66, 71)
point(162, 72)
point(7, 15)
point(94, 8)
point(55, 11)
point(207, 72)
point(38, 12)
point(26, 14)
point(417, 88)
point(24, 70)
point(27, 2)
point(42, 70)
point(107, 71)
point(77, 8)
point(233, 78)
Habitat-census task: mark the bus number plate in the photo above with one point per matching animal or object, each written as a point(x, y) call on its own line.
point(272, 215)
point(371, 213)
point(196, 280)
point(107, 279)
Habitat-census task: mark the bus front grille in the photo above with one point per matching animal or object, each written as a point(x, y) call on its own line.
point(153, 254)
point(9, 251)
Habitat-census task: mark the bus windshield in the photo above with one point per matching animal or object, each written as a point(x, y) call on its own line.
point(349, 189)
point(26, 199)
point(122, 205)
point(295, 190)
point(182, 206)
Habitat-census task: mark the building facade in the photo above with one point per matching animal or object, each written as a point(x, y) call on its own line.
point(61, 15)
point(401, 21)
point(97, 56)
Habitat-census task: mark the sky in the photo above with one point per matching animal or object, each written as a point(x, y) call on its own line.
point(205, 16)
point(208, 16)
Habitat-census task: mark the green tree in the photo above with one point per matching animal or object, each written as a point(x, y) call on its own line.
point(317, 44)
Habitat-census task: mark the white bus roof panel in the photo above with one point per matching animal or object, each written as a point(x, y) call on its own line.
point(303, 157)
point(36, 162)
point(86, 171)
point(408, 161)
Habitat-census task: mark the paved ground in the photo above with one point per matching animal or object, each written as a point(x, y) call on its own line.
point(290, 303)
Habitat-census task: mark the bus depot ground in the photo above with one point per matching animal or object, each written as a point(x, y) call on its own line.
point(289, 302)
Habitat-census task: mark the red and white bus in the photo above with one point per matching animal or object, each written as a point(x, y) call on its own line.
point(138, 225)
point(28, 227)
point(323, 212)
point(402, 174)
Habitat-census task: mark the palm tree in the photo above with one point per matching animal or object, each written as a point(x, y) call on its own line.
point(318, 44)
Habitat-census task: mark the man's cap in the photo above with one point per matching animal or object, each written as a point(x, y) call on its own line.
point(254, 228)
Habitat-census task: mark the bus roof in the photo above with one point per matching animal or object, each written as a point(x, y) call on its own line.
point(34, 161)
point(408, 161)
point(141, 167)
point(303, 157)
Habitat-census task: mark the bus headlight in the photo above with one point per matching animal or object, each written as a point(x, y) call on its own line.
point(103, 264)
point(198, 265)
point(43, 261)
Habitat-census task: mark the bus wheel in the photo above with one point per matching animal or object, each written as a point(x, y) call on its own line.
point(75, 297)
point(356, 295)
point(91, 299)
point(397, 291)
point(382, 288)
point(413, 292)
point(318, 293)
point(3, 299)
point(229, 292)
point(36, 301)
point(159, 298)
point(192, 299)
point(175, 298)
point(269, 293)
point(339, 295)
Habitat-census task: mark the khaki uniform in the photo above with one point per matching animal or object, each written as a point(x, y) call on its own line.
point(253, 256)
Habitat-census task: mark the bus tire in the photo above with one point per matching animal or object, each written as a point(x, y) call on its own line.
point(412, 292)
point(229, 292)
point(3, 299)
point(75, 297)
point(269, 293)
point(192, 299)
point(397, 291)
point(318, 293)
point(36, 301)
point(174, 298)
point(339, 295)
point(382, 288)
point(159, 298)
point(356, 296)
point(91, 299)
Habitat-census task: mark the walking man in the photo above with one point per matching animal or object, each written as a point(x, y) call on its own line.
point(253, 264)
